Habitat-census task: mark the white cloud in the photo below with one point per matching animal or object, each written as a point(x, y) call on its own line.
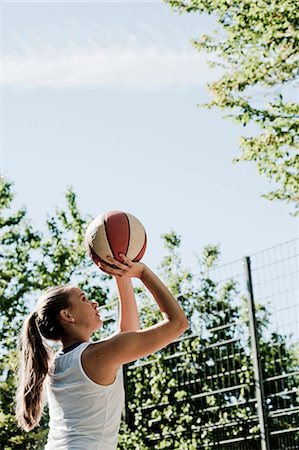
point(147, 67)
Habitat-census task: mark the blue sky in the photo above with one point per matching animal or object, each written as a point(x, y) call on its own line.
point(102, 96)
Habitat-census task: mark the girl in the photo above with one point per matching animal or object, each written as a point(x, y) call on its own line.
point(84, 381)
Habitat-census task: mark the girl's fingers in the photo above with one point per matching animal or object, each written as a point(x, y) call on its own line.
point(110, 270)
point(118, 263)
point(119, 269)
point(126, 259)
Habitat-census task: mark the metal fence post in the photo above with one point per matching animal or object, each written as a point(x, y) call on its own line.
point(259, 385)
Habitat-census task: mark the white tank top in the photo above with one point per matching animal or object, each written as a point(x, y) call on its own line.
point(83, 414)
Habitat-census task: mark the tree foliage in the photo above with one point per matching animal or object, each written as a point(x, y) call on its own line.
point(181, 397)
point(19, 243)
point(199, 392)
point(256, 45)
point(31, 261)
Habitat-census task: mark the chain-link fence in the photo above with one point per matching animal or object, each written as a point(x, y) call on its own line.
point(234, 384)
point(275, 280)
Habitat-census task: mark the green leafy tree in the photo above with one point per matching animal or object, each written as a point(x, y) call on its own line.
point(19, 243)
point(256, 46)
point(32, 261)
point(199, 391)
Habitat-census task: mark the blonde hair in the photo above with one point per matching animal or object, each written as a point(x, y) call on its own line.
point(35, 355)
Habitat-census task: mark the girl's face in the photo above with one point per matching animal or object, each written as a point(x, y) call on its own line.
point(84, 313)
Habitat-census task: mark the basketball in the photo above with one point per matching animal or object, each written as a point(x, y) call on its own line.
point(115, 232)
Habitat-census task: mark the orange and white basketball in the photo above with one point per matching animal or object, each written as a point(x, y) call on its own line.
point(115, 232)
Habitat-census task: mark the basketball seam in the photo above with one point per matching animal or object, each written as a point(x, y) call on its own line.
point(142, 248)
point(129, 228)
point(96, 256)
point(107, 236)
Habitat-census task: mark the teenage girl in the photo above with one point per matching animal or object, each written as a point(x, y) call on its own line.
point(84, 381)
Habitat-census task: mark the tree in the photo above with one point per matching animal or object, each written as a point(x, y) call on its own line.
point(19, 243)
point(199, 392)
point(256, 45)
point(208, 371)
point(31, 262)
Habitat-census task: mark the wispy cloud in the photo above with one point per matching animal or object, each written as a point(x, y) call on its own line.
point(144, 67)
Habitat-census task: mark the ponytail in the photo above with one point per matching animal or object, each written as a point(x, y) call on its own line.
point(35, 356)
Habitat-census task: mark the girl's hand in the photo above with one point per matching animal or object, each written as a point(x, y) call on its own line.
point(126, 269)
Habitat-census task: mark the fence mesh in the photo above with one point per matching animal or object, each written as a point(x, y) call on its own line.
point(206, 387)
point(275, 281)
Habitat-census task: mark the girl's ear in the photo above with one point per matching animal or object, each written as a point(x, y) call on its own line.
point(66, 316)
